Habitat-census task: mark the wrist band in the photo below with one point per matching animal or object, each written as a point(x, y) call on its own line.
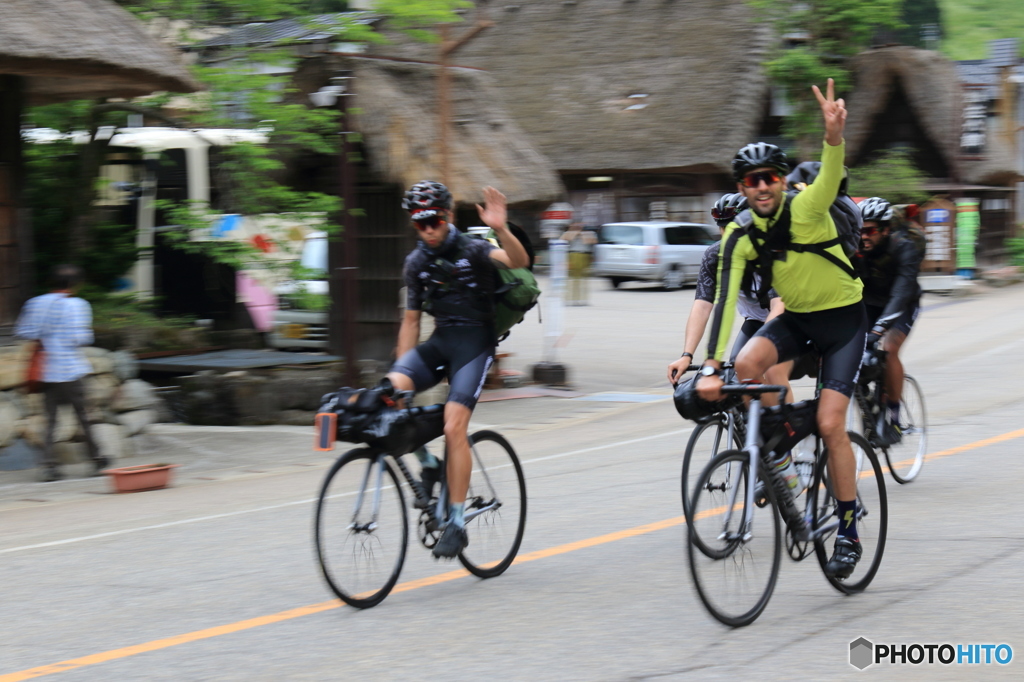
point(687, 355)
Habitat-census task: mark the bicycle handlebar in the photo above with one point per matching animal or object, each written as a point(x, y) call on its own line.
point(754, 389)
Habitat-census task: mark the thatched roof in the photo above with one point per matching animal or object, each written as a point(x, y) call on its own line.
point(572, 75)
point(396, 113)
point(73, 49)
point(933, 91)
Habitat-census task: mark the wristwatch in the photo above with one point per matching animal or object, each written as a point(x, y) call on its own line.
point(708, 370)
point(687, 355)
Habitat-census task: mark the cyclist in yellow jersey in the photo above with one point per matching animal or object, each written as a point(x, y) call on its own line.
point(821, 291)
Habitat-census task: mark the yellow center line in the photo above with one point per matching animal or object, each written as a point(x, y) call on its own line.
point(156, 645)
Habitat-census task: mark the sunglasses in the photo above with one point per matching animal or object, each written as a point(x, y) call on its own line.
point(869, 231)
point(767, 177)
point(727, 214)
point(432, 222)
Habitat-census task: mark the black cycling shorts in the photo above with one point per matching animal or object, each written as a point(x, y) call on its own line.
point(462, 354)
point(902, 324)
point(838, 335)
point(750, 327)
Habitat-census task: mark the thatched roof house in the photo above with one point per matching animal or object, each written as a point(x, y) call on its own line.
point(653, 97)
point(55, 50)
point(395, 107)
point(76, 49)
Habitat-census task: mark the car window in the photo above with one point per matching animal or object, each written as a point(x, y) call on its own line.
point(688, 236)
point(314, 256)
point(632, 235)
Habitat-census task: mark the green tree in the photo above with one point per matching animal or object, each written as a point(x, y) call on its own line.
point(63, 177)
point(915, 15)
point(818, 38)
point(892, 176)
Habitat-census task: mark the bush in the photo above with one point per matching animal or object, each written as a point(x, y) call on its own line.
point(121, 321)
point(893, 176)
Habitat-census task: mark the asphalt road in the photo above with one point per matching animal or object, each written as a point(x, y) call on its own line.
point(214, 579)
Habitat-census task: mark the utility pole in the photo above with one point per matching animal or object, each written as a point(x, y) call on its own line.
point(448, 48)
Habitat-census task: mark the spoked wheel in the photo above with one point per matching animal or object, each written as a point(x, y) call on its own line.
point(906, 457)
point(706, 441)
point(361, 528)
point(495, 506)
point(872, 517)
point(734, 566)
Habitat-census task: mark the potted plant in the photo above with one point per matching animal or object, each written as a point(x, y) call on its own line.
point(140, 477)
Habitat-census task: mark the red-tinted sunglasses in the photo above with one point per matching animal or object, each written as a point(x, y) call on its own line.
point(432, 222)
point(869, 231)
point(726, 214)
point(767, 177)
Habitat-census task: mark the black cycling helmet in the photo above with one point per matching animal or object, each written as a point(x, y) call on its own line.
point(426, 195)
point(727, 208)
point(807, 172)
point(876, 209)
point(758, 155)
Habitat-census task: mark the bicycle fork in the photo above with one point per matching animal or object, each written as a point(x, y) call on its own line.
point(377, 464)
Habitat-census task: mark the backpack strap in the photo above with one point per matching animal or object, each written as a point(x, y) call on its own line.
point(442, 271)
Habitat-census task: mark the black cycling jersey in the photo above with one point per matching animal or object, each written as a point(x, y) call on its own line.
point(889, 272)
point(474, 277)
point(707, 285)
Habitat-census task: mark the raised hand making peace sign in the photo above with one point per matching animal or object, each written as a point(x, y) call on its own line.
point(833, 111)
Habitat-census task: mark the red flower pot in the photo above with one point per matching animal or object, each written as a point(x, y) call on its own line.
point(142, 477)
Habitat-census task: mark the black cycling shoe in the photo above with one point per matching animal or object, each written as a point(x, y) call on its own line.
point(891, 433)
point(429, 478)
point(844, 559)
point(453, 540)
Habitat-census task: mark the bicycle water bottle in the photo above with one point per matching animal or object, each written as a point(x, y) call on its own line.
point(784, 468)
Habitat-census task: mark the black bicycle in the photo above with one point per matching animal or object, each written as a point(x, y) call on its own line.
point(740, 502)
point(361, 526)
point(905, 457)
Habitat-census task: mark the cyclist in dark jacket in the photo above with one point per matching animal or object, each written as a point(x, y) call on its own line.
point(888, 267)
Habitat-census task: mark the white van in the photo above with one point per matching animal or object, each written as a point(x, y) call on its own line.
point(653, 251)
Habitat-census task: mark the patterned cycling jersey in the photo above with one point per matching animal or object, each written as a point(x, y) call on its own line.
point(473, 275)
point(806, 281)
point(707, 283)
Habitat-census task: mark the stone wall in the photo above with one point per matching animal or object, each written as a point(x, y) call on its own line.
point(118, 403)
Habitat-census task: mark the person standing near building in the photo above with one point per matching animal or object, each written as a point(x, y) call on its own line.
point(62, 323)
point(580, 244)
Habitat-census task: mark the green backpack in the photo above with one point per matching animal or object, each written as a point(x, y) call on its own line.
point(515, 293)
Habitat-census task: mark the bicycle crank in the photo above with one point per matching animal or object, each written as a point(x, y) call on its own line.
point(428, 530)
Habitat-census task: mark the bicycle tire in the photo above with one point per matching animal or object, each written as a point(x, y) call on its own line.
point(914, 443)
point(872, 516)
point(343, 550)
point(496, 534)
point(718, 429)
point(730, 560)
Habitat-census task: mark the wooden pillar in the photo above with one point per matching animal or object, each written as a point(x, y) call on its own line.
point(12, 283)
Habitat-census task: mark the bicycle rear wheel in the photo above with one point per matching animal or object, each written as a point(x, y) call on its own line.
point(906, 457)
point(361, 528)
point(872, 517)
point(736, 567)
point(495, 506)
point(706, 441)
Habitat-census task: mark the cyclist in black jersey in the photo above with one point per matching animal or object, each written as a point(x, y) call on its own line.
point(796, 243)
point(462, 345)
point(888, 266)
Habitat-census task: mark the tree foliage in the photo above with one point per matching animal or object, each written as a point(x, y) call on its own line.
point(892, 176)
point(242, 93)
point(818, 38)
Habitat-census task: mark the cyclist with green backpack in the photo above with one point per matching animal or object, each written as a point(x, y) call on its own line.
point(454, 278)
point(798, 249)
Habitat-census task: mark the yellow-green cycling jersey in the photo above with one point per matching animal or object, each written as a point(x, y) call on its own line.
point(806, 281)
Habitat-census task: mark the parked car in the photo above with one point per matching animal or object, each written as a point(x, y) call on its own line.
point(300, 321)
point(652, 251)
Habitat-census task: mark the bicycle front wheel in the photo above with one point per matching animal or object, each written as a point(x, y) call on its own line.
point(872, 517)
point(906, 457)
point(495, 509)
point(361, 528)
point(737, 563)
point(706, 441)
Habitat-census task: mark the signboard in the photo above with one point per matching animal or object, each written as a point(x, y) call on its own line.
point(968, 224)
point(938, 216)
point(555, 220)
